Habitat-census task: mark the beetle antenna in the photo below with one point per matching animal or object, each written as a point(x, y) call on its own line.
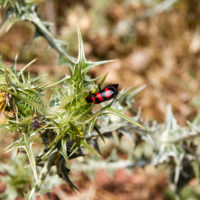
point(99, 86)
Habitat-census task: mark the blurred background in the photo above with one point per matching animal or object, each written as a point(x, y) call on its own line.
point(153, 42)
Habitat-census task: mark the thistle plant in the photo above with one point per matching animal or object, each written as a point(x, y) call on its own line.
point(65, 124)
point(68, 126)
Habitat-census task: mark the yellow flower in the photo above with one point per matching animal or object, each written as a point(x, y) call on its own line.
point(4, 102)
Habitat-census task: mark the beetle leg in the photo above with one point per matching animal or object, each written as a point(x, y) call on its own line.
point(114, 100)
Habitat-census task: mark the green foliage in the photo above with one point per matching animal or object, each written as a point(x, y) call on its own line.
point(18, 178)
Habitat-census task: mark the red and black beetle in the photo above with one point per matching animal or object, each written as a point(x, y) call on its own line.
point(102, 95)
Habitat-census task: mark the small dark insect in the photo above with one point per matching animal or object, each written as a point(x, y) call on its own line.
point(37, 123)
point(102, 95)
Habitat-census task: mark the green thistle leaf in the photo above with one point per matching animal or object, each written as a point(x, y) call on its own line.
point(31, 157)
point(117, 113)
point(63, 151)
point(91, 149)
